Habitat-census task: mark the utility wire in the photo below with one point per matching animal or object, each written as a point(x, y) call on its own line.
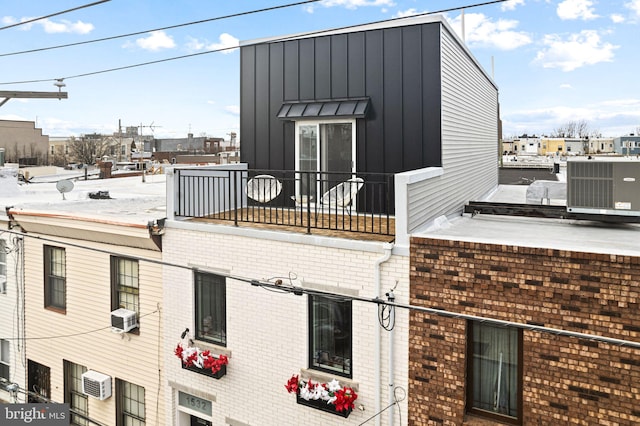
point(252, 44)
point(299, 291)
point(53, 14)
point(202, 21)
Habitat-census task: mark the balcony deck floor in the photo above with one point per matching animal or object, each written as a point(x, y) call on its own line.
point(335, 224)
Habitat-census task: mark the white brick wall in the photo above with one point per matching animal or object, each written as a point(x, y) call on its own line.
point(267, 332)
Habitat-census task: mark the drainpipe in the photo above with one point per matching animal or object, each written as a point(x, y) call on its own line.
point(378, 361)
point(392, 319)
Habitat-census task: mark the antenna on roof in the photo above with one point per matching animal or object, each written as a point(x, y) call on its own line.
point(63, 186)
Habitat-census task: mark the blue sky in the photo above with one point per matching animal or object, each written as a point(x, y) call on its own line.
point(554, 61)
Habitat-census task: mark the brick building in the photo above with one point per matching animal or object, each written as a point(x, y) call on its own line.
point(575, 277)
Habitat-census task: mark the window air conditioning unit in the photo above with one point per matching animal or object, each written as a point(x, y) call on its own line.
point(96, 385)
point(123, 320)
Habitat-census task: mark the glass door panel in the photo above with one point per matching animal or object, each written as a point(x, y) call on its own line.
point(307, 160)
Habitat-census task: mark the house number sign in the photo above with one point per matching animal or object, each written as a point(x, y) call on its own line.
point(194, 403)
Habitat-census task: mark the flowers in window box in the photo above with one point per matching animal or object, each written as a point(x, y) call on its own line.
point(191, 356)
point(332, 393)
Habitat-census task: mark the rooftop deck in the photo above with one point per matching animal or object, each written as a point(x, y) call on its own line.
point(353, 206)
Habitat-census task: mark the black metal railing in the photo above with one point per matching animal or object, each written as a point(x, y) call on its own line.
point(356, 202)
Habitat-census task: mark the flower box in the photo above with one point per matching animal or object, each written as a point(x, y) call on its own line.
point(207, 371)
point(319, 404)
point(329, 397)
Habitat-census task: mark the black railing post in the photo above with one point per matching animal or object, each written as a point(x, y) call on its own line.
point(309, 203)
point(235, 194)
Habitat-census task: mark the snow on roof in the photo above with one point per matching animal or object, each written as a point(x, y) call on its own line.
point(131, 200)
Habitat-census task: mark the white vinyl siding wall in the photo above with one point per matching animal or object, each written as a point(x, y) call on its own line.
point(134, 358)
point(469, 139)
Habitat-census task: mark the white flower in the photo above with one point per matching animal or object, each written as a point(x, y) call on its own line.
point(334, 385)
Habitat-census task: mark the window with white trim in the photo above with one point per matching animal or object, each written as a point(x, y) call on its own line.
point(3, 267)
point(5, 359)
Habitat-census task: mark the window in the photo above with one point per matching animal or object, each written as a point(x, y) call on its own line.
point(494, 387)
point(4, 359)
point(130, 405)
point(78, 402)
point(55, 278)
point(38, 382)
point(125, 288)
point(211, 308)
point(3, 267)
point(330, 335)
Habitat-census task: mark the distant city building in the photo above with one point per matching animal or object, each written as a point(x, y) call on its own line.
point(24, 143)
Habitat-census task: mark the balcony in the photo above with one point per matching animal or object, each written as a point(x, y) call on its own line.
point(358, 205)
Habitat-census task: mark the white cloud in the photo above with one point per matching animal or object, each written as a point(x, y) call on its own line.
point(405, 13)
point(8, 20)
point(511, 5)
point(227, 42)
point(232, 109)
point(194, 44)
point(155, 41)
point(616, 18)
point(566, 86)
point(351, 4)
point(576, 51)
point(481, 31)
point(612, 117)
point(634, 6)
point(576, 9)
point(63, 26)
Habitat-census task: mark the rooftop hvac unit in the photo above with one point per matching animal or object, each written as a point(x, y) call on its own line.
point(603, 187)
point(123, 320)
point(96, 385)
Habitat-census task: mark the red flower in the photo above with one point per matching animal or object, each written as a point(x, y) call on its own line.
point(191, 358)
point(345, 399)
point(292, 384)
point(179, 351)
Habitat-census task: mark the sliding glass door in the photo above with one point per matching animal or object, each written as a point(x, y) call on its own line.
point(323, 147)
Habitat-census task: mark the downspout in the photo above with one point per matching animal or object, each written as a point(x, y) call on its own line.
point(378, 361)
point(392, 319)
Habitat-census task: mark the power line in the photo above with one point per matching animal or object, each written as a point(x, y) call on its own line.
point(299, 291)
point(252, 44)
point(218, 18)
point(53, 14)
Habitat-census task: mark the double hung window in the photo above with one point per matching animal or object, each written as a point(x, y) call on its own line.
point(55, 277)
point(78, 401)
point(330, 335)
point(130, 405)
point(494, 373)
point(4, 359)
point(211, 315)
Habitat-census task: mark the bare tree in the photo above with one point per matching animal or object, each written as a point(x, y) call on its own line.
point(572, 129)
point(86, 150)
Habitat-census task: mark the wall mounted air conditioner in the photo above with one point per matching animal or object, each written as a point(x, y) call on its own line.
point(123, 320)
point(603, 187)
point(96, 385)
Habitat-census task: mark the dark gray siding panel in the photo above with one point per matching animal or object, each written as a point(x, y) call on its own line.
point(290, 76)
point(307, 74)
point(276, 91)
point(247, 102)
point(323, 68)
point(263, 112)
point(431, 96)
point(393, 112)
point(373, 149)
point(412, 135)
point(356, 62)
point(339, 66)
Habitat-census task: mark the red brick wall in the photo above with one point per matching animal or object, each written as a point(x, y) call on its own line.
point(565, 380)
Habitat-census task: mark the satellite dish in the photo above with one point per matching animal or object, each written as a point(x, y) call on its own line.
point(64, 186)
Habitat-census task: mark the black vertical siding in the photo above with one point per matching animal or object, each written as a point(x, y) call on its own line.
point(339, 66)
point(247, 101)
point(276, 89)
point(431, 97)
point(397, 68)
